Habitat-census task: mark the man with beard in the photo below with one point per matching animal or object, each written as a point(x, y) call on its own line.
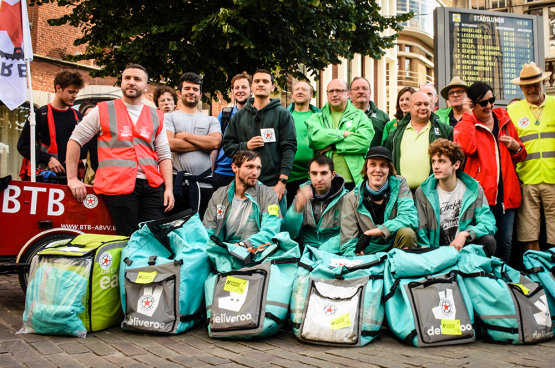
point(241, 92)
point(134, 172)
point(245, 212)
point(192, 137)
point(301, 109)
point(459, 103)
point(266, 127)
point(360, 96)
point(54, 124)
point(533, 118)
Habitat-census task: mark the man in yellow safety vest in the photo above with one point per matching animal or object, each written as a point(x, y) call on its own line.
point(534, 118)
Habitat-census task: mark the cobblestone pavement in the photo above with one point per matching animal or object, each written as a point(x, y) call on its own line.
point(117, 348)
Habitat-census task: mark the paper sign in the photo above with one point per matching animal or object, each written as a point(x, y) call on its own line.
point(235, 285)
point(268, 134)
point(340, 322)
point(145, 277)
point(339, 262)
point(273, 210)
point(524, 289)
point(451, 327)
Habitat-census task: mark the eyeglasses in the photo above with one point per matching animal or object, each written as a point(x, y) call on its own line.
point(457, 92)
point(484, 103)
point(356, 89)
point(336, 91)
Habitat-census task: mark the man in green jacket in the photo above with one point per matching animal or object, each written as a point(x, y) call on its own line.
point(452, 207)
point(301, 109)
point(341, 132)
point(315, 215)
point(245, 213)
point(266, 127)
point(360, 97)
point(410, 141)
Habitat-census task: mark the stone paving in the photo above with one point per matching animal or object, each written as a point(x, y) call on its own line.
point(117, 348)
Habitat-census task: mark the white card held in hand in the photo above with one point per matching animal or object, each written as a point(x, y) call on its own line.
point(268, 135)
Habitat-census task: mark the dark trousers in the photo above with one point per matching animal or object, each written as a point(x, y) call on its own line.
point(504, 234)
point(182, 202)
point(221, 180)
point(129, 210)
point(488, 242)
point(292, 187)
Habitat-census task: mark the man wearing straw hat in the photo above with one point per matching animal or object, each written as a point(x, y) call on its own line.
point(534, 118)
point(455, 94)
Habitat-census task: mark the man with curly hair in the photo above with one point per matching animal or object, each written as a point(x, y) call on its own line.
point(165, 99)
point(452, 207)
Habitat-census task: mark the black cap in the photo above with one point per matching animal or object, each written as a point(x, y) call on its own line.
point(379, 152)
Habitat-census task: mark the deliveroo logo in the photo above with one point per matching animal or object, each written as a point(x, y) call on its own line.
point(543, 318)
point(446, 308)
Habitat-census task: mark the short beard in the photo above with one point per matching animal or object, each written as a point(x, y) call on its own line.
point(188, 104)
point(139, 94)
point(242, 103)
point(245, 182)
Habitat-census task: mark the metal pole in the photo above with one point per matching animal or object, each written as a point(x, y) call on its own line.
point(31, 123)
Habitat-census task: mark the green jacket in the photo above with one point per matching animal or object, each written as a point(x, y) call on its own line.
point(277, 157)
point(443, 115)
point(355, 218)
point(475, 216)
point(379, 119)
point(263, 201)
point(354, 147)
point(393, 142)
point(303, 224)
point(304, 153)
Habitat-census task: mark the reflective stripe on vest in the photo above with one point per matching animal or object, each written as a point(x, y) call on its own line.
point(539, 140)
point(123, 145)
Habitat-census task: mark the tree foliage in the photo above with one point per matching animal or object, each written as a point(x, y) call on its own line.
point(222, 38)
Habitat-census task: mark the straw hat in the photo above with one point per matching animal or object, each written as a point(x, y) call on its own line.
point(456, 81)
point(530, 74)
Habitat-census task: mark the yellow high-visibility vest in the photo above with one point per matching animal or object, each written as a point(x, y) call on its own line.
point(539, 139)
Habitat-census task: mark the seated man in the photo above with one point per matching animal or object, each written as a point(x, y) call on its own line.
point(244, 212)
point(452, 207)
point(314, 216)
point(379, 213)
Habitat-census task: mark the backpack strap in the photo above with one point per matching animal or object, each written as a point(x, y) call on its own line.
point(274, 318)
point(408, 339)
point(387, 296)
point(533, 270)
point(226, 117)
point(510, 330)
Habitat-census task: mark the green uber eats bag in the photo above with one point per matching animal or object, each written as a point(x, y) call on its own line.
point(540, 267)
point(425, 305)
point(73, 287)
point(162, 275)
point(338, 300)
point(247, 293)
point(512, 308)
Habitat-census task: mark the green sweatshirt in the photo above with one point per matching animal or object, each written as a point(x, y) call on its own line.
point(379, 119)
point(304, 153)
point(277, 157)
point(354, 147)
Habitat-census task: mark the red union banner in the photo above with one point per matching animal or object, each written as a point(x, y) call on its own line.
point(15, 50)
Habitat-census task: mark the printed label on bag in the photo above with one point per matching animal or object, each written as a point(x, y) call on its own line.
point(273, 210)
point(451, 327)
point(235, 285)
point(145, 277)
point(340, 322)
point(524, 289)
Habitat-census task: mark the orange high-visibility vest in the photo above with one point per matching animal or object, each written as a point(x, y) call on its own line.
point(122, 146)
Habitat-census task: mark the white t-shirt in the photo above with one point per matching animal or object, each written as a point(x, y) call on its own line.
point(240, 223)
point(90, 126)
point(450, 204)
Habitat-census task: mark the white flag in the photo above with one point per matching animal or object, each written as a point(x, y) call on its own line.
point(15, 48)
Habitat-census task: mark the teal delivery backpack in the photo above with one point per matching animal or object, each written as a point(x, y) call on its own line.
point(248, 292)
point(338, 300)
point(512, 308)
point(162, 272)
point(424, 305)
point(540, 267)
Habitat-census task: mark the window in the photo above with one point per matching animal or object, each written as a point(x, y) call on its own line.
point(11, 124)
point(407, 67)
point(488, 4)
point(547, 20)
point(407, 48)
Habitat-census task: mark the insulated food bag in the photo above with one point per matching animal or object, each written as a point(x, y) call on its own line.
point(512, 308)
point(337, 300)
point(162, 273)
point(73, 286)
point(248, 292)
point(540, 267)
point(425, 305)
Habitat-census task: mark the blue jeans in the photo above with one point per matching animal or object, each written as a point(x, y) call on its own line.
point(504, 234)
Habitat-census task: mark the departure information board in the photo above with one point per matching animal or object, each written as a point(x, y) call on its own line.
point(490, 47)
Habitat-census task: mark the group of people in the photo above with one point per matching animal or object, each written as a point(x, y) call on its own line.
point(345, 178)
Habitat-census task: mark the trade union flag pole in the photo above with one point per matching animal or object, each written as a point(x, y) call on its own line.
point(16, 54)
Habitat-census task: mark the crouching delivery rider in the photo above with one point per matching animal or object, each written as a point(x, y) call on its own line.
point(379, 213)
point(314, 217)
point(452, 207)
point(245, 212)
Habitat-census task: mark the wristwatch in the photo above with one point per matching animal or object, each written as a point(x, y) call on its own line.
point(283, 180)
point(243, 244)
